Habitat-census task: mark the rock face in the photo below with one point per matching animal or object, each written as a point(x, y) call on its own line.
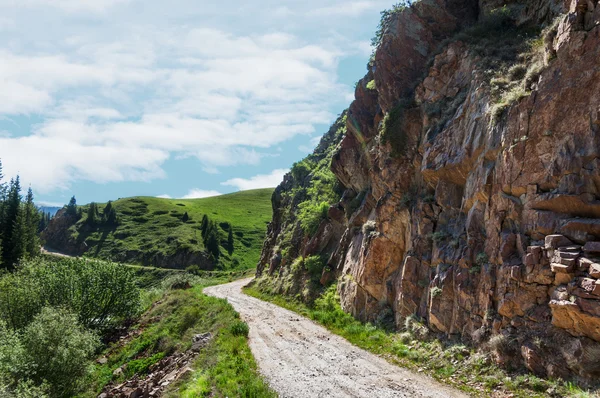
point(496, 207)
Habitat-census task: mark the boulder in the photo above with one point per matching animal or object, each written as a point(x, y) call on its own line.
point(556, 241)
point(592, 247)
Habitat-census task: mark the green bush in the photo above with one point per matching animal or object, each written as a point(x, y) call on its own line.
point(314, 265)
point(436, 292)
point(102, 294)
point(58, 349)
point(240, 328)
point(387, 17)
point(391, 131)
point(301, 170)
point(311, 214)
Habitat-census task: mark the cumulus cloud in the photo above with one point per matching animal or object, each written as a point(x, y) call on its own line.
point(112, 102)
point(258, 181)
point(66, 5)
point(201, 193)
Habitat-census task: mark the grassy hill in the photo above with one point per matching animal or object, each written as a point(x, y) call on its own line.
point(154, 231)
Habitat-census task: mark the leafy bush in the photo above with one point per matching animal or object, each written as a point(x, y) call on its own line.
point(100, 293)
point(311, 214)
point(436, 292)
point(371, 85)
point(240, 328)
point(314, 265)
point(386, 18)
point(50, 355)
point(369, 227)
point(391, 131)
point(58, 349)
point(482, 259)
point(301, 170)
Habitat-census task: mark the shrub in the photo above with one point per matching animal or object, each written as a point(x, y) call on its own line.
point(180, 280)
point(100, 293)
point(301, 170)
point(371, 85)
point(386, 18)
point(58, 349)
point(240, 328)
point(311, 214)
point(369, 227)
point(413, 325)
point(482, 259)
point(314, 265)
point(436, 292)
point(391, 131)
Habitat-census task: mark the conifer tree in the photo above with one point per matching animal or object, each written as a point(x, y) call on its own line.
point(212, 240)
point(12, 225)
point(72, 207)
point(92, 214)
point(109, 215)
point(204, 225)
point(230, 240)
point(30, 226)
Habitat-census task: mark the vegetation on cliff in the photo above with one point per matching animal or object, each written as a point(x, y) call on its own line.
point(223, 232)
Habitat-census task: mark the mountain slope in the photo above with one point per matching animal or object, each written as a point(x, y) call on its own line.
point(155, 231)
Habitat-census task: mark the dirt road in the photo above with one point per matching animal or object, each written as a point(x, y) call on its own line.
point(303, 360)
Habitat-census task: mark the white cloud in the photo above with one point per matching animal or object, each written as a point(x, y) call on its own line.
point(165, 196)
point(352, 9)
point(259, 181)
point(200, 193)
point(66, 5)
point(50, 204)
point(111, 101)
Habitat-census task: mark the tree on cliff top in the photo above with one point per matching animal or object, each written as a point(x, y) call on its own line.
point(72, 207)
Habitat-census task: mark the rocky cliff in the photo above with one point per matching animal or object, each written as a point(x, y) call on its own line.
point(468, 179)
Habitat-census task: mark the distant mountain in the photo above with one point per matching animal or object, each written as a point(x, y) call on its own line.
point(49, 209)
point(167, 233)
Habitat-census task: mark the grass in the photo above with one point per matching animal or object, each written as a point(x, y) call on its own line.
point(151, 228)
point(224, 368)
point(453, 364)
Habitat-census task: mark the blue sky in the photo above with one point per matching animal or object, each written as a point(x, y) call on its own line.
point(114, 98)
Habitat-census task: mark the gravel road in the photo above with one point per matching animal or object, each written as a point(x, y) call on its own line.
point(301, 359)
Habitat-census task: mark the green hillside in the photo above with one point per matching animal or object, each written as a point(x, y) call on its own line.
point(155, 231)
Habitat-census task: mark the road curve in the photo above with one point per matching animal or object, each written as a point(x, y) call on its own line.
point(301, 359)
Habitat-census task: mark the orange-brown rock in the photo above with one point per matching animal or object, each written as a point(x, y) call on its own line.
point(478, 223)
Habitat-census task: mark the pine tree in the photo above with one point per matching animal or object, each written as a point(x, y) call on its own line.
point(30, 226)
point(12, 225)
point(230, 240)
point(204, 225)
point(92, 214)
point(72, 207)
point(109, 215)
point(212, 240)
point(43, 222)
point(106, 213)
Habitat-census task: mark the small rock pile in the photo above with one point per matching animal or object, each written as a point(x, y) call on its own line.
point(162, 374)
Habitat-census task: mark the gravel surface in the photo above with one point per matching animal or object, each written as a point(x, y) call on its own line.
point(302, 359)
